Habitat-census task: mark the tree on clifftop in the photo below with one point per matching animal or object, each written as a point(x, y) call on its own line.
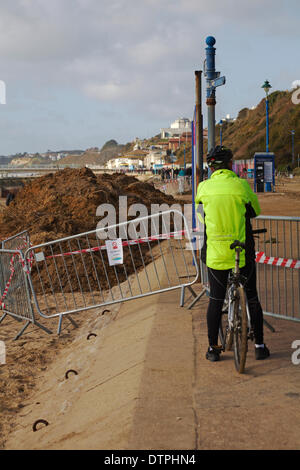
point(109, 143)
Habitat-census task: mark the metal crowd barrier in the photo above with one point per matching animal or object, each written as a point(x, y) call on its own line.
point(15, 295)
point(277, 264)
point(278, 273)
point(75, 273)
point(177, 185)
point(20, 241)
point(12, 279)
point(16, 299)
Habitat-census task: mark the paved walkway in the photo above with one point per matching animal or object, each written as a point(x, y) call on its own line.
point(256, 410)
point(143, 383)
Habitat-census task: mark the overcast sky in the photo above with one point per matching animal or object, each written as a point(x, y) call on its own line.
point(81, 72)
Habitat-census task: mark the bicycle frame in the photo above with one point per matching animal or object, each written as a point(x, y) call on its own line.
point(238, 329)
point(234, 282)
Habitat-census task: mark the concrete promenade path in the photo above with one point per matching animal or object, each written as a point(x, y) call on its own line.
point(144, 383)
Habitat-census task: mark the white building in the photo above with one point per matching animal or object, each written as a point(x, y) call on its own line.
point(228, 118)
point(155, 158)
point(177, 128)
point(124, 162)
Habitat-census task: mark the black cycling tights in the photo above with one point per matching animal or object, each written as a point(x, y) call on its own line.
point(218, 283)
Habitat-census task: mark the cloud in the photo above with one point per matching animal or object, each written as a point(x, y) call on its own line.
point(107, 91)
point(138, 55)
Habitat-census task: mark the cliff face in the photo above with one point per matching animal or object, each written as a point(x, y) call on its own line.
point(92, 157)
point(110, 149)
point(30, 161)
point(247, 134)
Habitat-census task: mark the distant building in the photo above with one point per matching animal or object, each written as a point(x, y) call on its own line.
point(228, 118)
point(163, 145)
point(177, 128)
point(175, 142)
point(128, 161)
point(155, 157)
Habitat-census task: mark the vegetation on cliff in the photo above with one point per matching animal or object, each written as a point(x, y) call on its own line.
point(247, 134)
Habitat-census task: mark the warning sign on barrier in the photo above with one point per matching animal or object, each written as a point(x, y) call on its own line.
point(114, 250)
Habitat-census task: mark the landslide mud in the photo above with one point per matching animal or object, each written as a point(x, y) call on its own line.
point(65, 203)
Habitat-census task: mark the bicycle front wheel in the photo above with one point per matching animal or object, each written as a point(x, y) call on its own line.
point(225, 334)
point(240, 330)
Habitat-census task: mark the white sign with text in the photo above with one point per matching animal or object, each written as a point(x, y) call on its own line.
point(114, 250)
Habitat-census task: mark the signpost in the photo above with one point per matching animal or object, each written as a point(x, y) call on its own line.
point(213, 80)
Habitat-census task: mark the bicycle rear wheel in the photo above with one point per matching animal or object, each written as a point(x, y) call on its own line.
point(240, 333)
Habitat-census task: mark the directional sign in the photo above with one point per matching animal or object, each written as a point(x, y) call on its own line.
point(217, 82)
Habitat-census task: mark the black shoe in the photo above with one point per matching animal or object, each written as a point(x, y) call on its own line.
point(262, 353)
point(213, 353)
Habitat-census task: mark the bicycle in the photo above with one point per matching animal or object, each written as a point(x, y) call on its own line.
point(236, 328)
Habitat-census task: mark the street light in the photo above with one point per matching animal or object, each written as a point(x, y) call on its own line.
point(221, 124)
point(293, 146)
point(184, 163)
point(266, 86)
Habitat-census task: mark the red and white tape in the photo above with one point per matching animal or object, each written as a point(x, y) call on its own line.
point(12, 271)
point(164, 236)
point(274, 261)
point(260, 256)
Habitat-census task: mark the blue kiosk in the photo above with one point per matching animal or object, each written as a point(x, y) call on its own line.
point(264, 172)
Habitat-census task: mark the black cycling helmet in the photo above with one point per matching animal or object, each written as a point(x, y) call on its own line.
point(219, 156)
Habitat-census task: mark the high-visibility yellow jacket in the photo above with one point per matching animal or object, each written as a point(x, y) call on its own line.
point(228, 204)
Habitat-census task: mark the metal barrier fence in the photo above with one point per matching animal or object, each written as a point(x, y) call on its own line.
point(278, 267)
point(76, 273)
point(278, 274)
point(15, 298)
point(20, 241)
point(177, 185)
point(14, 289)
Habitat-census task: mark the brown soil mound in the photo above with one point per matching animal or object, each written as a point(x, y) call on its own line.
point(64, 203)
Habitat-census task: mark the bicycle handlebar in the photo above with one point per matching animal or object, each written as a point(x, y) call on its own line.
point(260, 230)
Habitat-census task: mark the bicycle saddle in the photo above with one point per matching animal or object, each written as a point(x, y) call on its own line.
point(236, 244)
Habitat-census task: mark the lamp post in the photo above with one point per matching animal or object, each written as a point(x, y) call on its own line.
point(221, 124)
point(293, 146)
point(266, 86)
point(184, 164)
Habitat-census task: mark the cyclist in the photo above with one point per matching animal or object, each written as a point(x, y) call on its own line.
point(228, 205)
